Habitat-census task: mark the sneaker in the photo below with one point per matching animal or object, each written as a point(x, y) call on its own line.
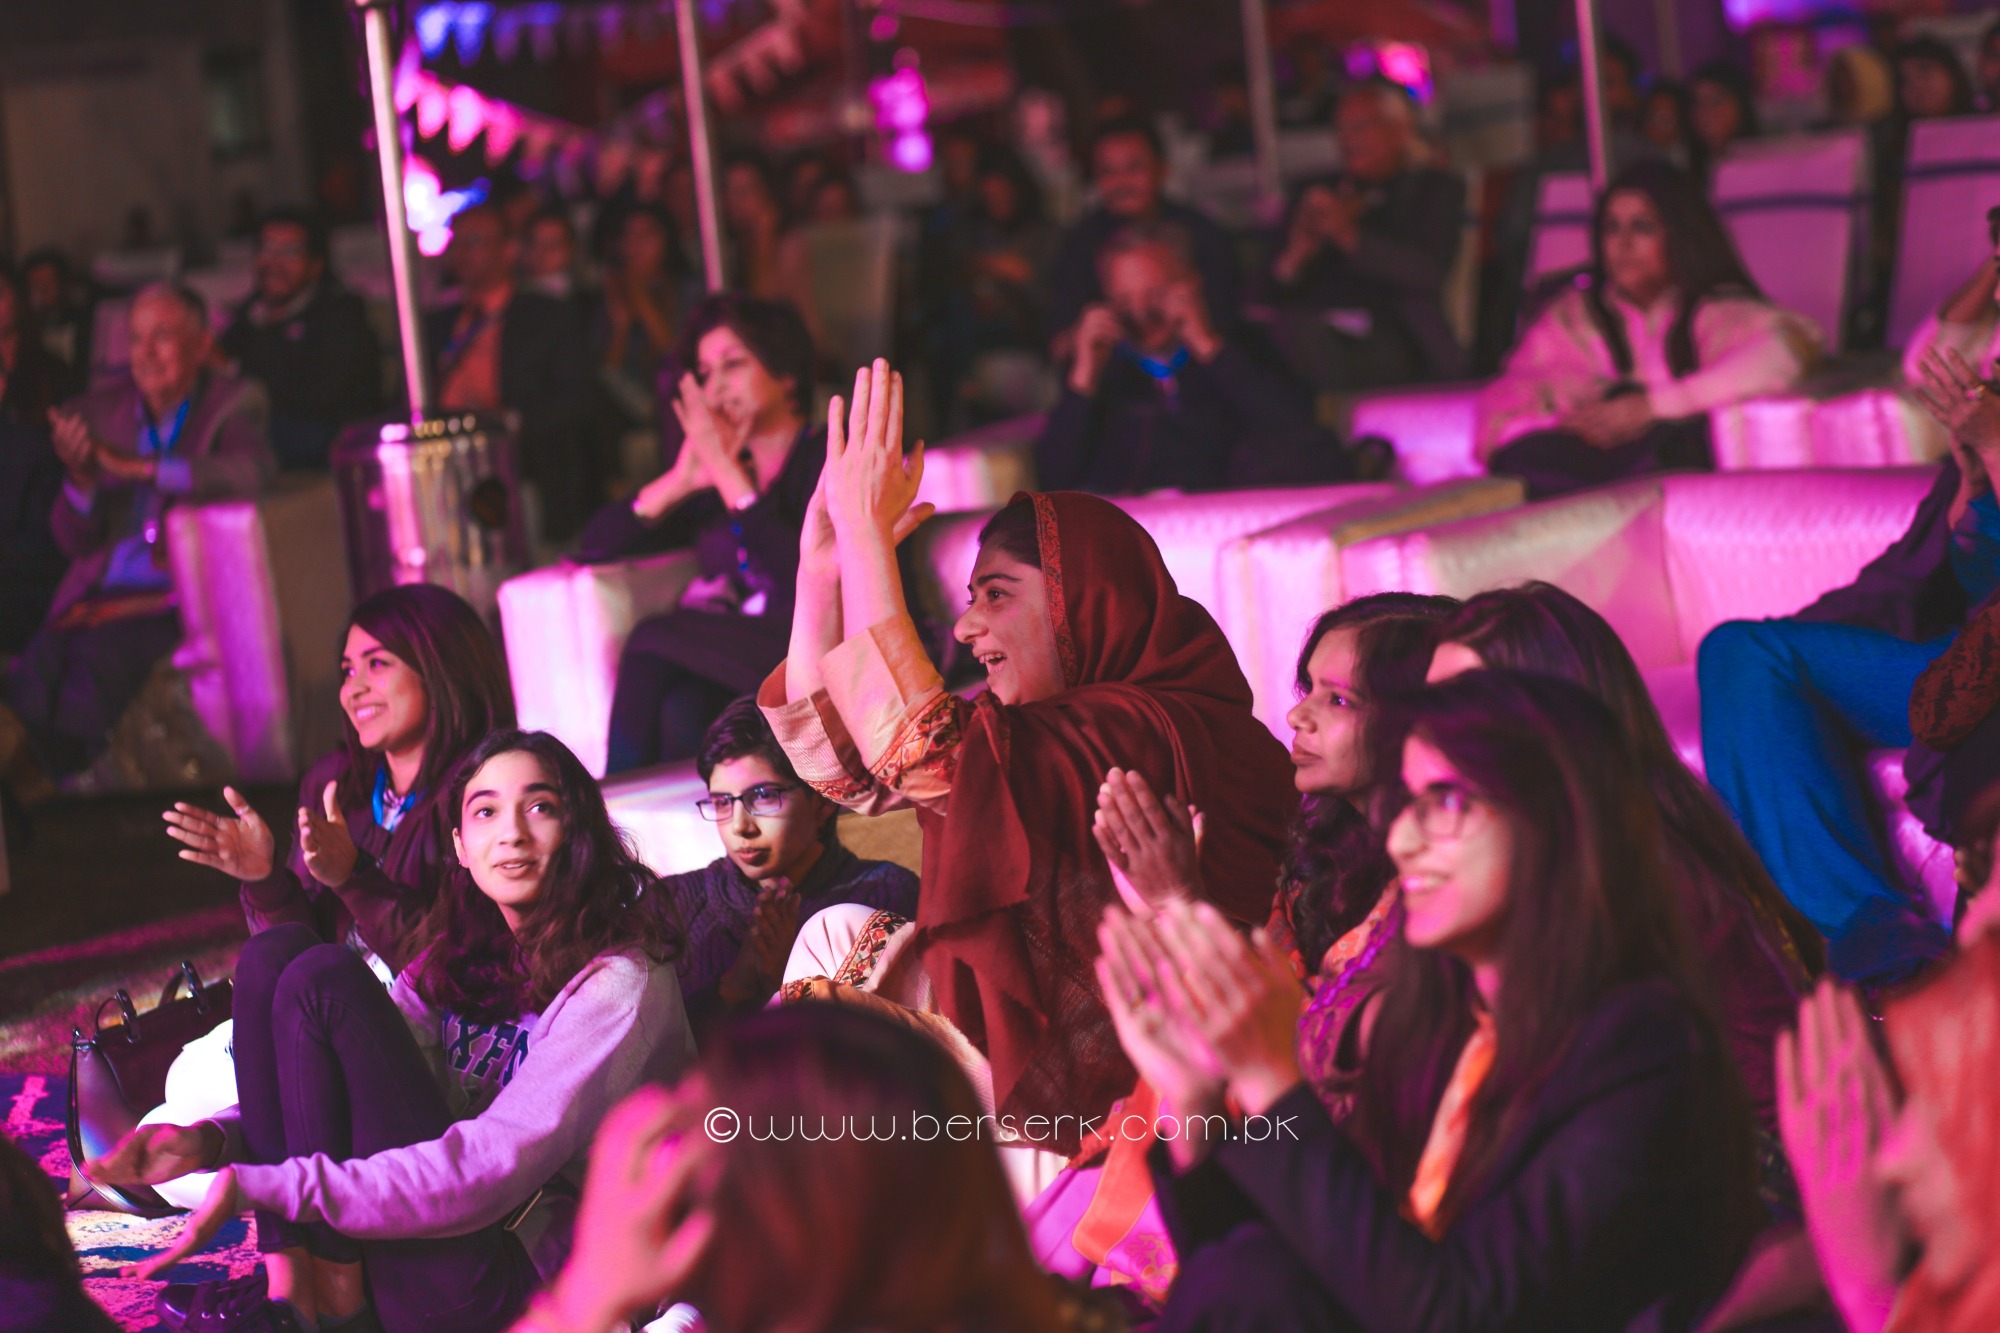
point(238, 1305)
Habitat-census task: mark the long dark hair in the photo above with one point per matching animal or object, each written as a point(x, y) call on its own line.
point(1588, 910)
point(441, 638)
point(1936, 52)
point(597, 897)
point(1702, 262)
point(1540, 628)
point(1336, 865)
point(888, 1229)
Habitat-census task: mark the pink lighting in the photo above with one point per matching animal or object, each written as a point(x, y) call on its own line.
point(902, 106)
point(431, 207)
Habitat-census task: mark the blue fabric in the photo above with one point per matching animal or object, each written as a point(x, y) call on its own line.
point(1975, 549)
point(136, 564)
point(1785, 706)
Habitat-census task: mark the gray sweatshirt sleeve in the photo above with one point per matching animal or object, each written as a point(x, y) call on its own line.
point(618, 1024)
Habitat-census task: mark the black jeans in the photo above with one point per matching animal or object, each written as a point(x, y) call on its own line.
point(71, 686)
point(1555, 462)
point(325, 1064)
point(660, 710)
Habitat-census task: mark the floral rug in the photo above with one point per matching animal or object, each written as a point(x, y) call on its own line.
point(33, 1107)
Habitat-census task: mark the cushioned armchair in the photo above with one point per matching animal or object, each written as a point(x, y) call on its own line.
point(1665, 560)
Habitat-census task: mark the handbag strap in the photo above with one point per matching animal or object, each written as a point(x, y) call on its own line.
point(123, 1000)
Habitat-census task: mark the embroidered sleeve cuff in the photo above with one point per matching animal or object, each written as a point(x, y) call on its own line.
point(878, 681)
point(813, 737)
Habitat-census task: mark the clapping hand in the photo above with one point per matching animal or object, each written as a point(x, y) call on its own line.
point(1970, 409)
point(1153, 846)
point(1834, 1105)
point(641, 1228)
point(75, 446)
point(155, 1154)
point(767, 945)
point(1245, 1000)
point(711, 441)
point(871, 487)
point(204, 1224)
point(1148, 1001)
point(326, 842)
point(1188, 311)
point(1612, 422)
point(241, 848)
point(1098, 332)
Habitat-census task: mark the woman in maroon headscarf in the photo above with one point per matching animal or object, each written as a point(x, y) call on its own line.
point(1094, 660)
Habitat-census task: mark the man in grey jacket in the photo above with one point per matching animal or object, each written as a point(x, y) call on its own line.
point(173, 432)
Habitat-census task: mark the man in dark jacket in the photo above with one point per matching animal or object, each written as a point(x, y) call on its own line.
point(306, 340)
point(1128, 170)
point(1358, 287)
point(1159, 395)
point(502, 347)
point(1789, 707)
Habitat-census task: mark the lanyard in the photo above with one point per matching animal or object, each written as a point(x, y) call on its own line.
point(149, 440)
point(461, 342)
point(389, 809)
point(1163, 371)
point(755, 598)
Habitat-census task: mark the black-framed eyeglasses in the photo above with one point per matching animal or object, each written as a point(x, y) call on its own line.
point(761, 801)
point(1441, 810)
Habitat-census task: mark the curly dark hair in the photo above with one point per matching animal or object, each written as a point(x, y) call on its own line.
point(598, 897)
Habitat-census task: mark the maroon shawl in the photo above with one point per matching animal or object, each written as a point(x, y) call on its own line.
point(1014, 884)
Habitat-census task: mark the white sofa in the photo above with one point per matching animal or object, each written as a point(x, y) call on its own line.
point(1665, 560)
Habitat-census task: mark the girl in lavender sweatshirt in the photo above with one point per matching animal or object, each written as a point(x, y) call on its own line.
point(434, 1135)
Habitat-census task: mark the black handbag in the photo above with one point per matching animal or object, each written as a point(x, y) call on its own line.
point(119, 1073)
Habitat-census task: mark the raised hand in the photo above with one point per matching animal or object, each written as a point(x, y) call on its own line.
point(712, 441)
point(641, 1227)
point(74, 446)
point(1246, 1000)
point(1185, 306)
point(1613, 422)
point(1098, 333)
point(154, 1154)
point(204, 1224)
point(871, 487)
point(326, 842)
point(819, 555)
point(1834, 1104)
point(1149, 1008)
point(1153, 847)
point(1952, 392)
point(241, 848)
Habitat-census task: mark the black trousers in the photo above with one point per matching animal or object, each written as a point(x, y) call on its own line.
point(1249, 1281)
point(1556, 462)
point(325, 1064)
point(70, 686)
point(660, 709)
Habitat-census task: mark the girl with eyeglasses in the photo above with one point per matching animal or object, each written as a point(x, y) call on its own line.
point(434, 1135)
point(1547, 1130)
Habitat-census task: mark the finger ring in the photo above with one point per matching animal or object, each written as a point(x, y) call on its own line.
point(1976, 392)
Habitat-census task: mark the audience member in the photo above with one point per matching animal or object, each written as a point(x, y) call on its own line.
point(1930, 81)
point(1093, 659)
point(736, 493)
point(1758, 952)
point(422, 682)
point(549, 255)
point(1307, 98)
point(834, 199)
point(1722, 112)
point(1359, 282)
point(1161, 391)
point(1860, 88)
point(64, 311)
point(765, 1233)
point(1128, 168)
point(803, 177)
point(633, 320)
point(1546, 1130)
point(1884, 1181)
point(988, 321)
point(1967, 325)
point(755, 217)
point(1337, 907)
point(1664, 121)
point(1988, 68)
point(1618, 375)
point(41, 1284)
point(1789, 705)
point(306, 339)
point(782, 862)
point(172, 431)
point(500, 347)
point(31, 476)
point(422, 1147)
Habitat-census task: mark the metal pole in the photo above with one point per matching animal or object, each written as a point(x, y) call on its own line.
point(701, 150)
point(1263, 108)
point(377, 41)
point(1596, 123)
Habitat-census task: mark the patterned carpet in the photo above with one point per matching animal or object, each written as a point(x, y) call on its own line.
point(33, 1106)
